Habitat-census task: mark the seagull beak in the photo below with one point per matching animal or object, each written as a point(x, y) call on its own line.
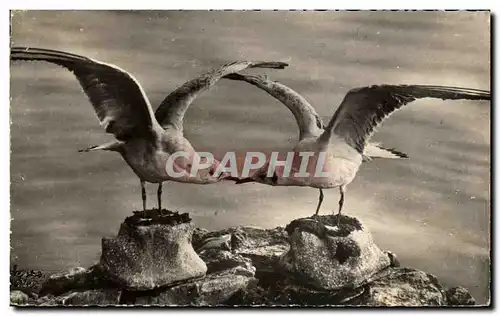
point(237, 180)
point(227, 176)
point(244, 180)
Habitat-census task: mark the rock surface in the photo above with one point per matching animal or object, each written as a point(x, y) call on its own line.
point(144, 257)
point(76, 279)
point(329, 257)
point(311, 262)
point(27, 280)
point(459, 296)
point(213, 290)
point(260, 246)
point(404, 287)
point(101, 297)
point(218, 260)
point(18, 297)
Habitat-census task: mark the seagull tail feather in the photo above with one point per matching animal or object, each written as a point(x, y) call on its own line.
point(112, 146)
point(374, 150)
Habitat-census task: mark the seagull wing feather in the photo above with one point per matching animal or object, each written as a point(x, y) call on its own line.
point(116, 96)
point(171, 111)
point(363, 109)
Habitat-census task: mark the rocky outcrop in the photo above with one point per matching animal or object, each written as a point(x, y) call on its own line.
point(27, 280)
point(18, 297)
point(76, 279)
point(459, 296)
point(99, 297)
point(213, 290)
point(260, 247)
point(331, 257)
point(310, 262)
point(403, 287)
point(144, 257)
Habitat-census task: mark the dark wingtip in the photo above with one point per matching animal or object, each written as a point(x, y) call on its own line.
point(234, 76)
point(273, 64)
point(396, 152)
point(283, 65)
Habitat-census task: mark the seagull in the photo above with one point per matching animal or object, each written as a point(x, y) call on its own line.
point(344, 142)
point(145, 139)
point(309, 122)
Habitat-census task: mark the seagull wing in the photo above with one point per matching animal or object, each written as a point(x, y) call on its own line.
point(171, 111)
point(118, 99)
point(363, 109)
point(309, 122)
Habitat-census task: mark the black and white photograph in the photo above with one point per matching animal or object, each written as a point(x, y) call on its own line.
point(250, 158)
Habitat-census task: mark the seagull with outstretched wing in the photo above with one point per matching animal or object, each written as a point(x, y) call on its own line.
point(344, 142)
point(144, 138)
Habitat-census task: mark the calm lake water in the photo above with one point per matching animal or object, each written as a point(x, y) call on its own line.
point(432, 210)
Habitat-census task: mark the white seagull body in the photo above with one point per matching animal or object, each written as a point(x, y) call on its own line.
point(144, 138)
point(344, 141)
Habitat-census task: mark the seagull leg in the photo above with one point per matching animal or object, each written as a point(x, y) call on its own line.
point(160, 185)
point(143, 192)
point(341, 203)
point(319, 201)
